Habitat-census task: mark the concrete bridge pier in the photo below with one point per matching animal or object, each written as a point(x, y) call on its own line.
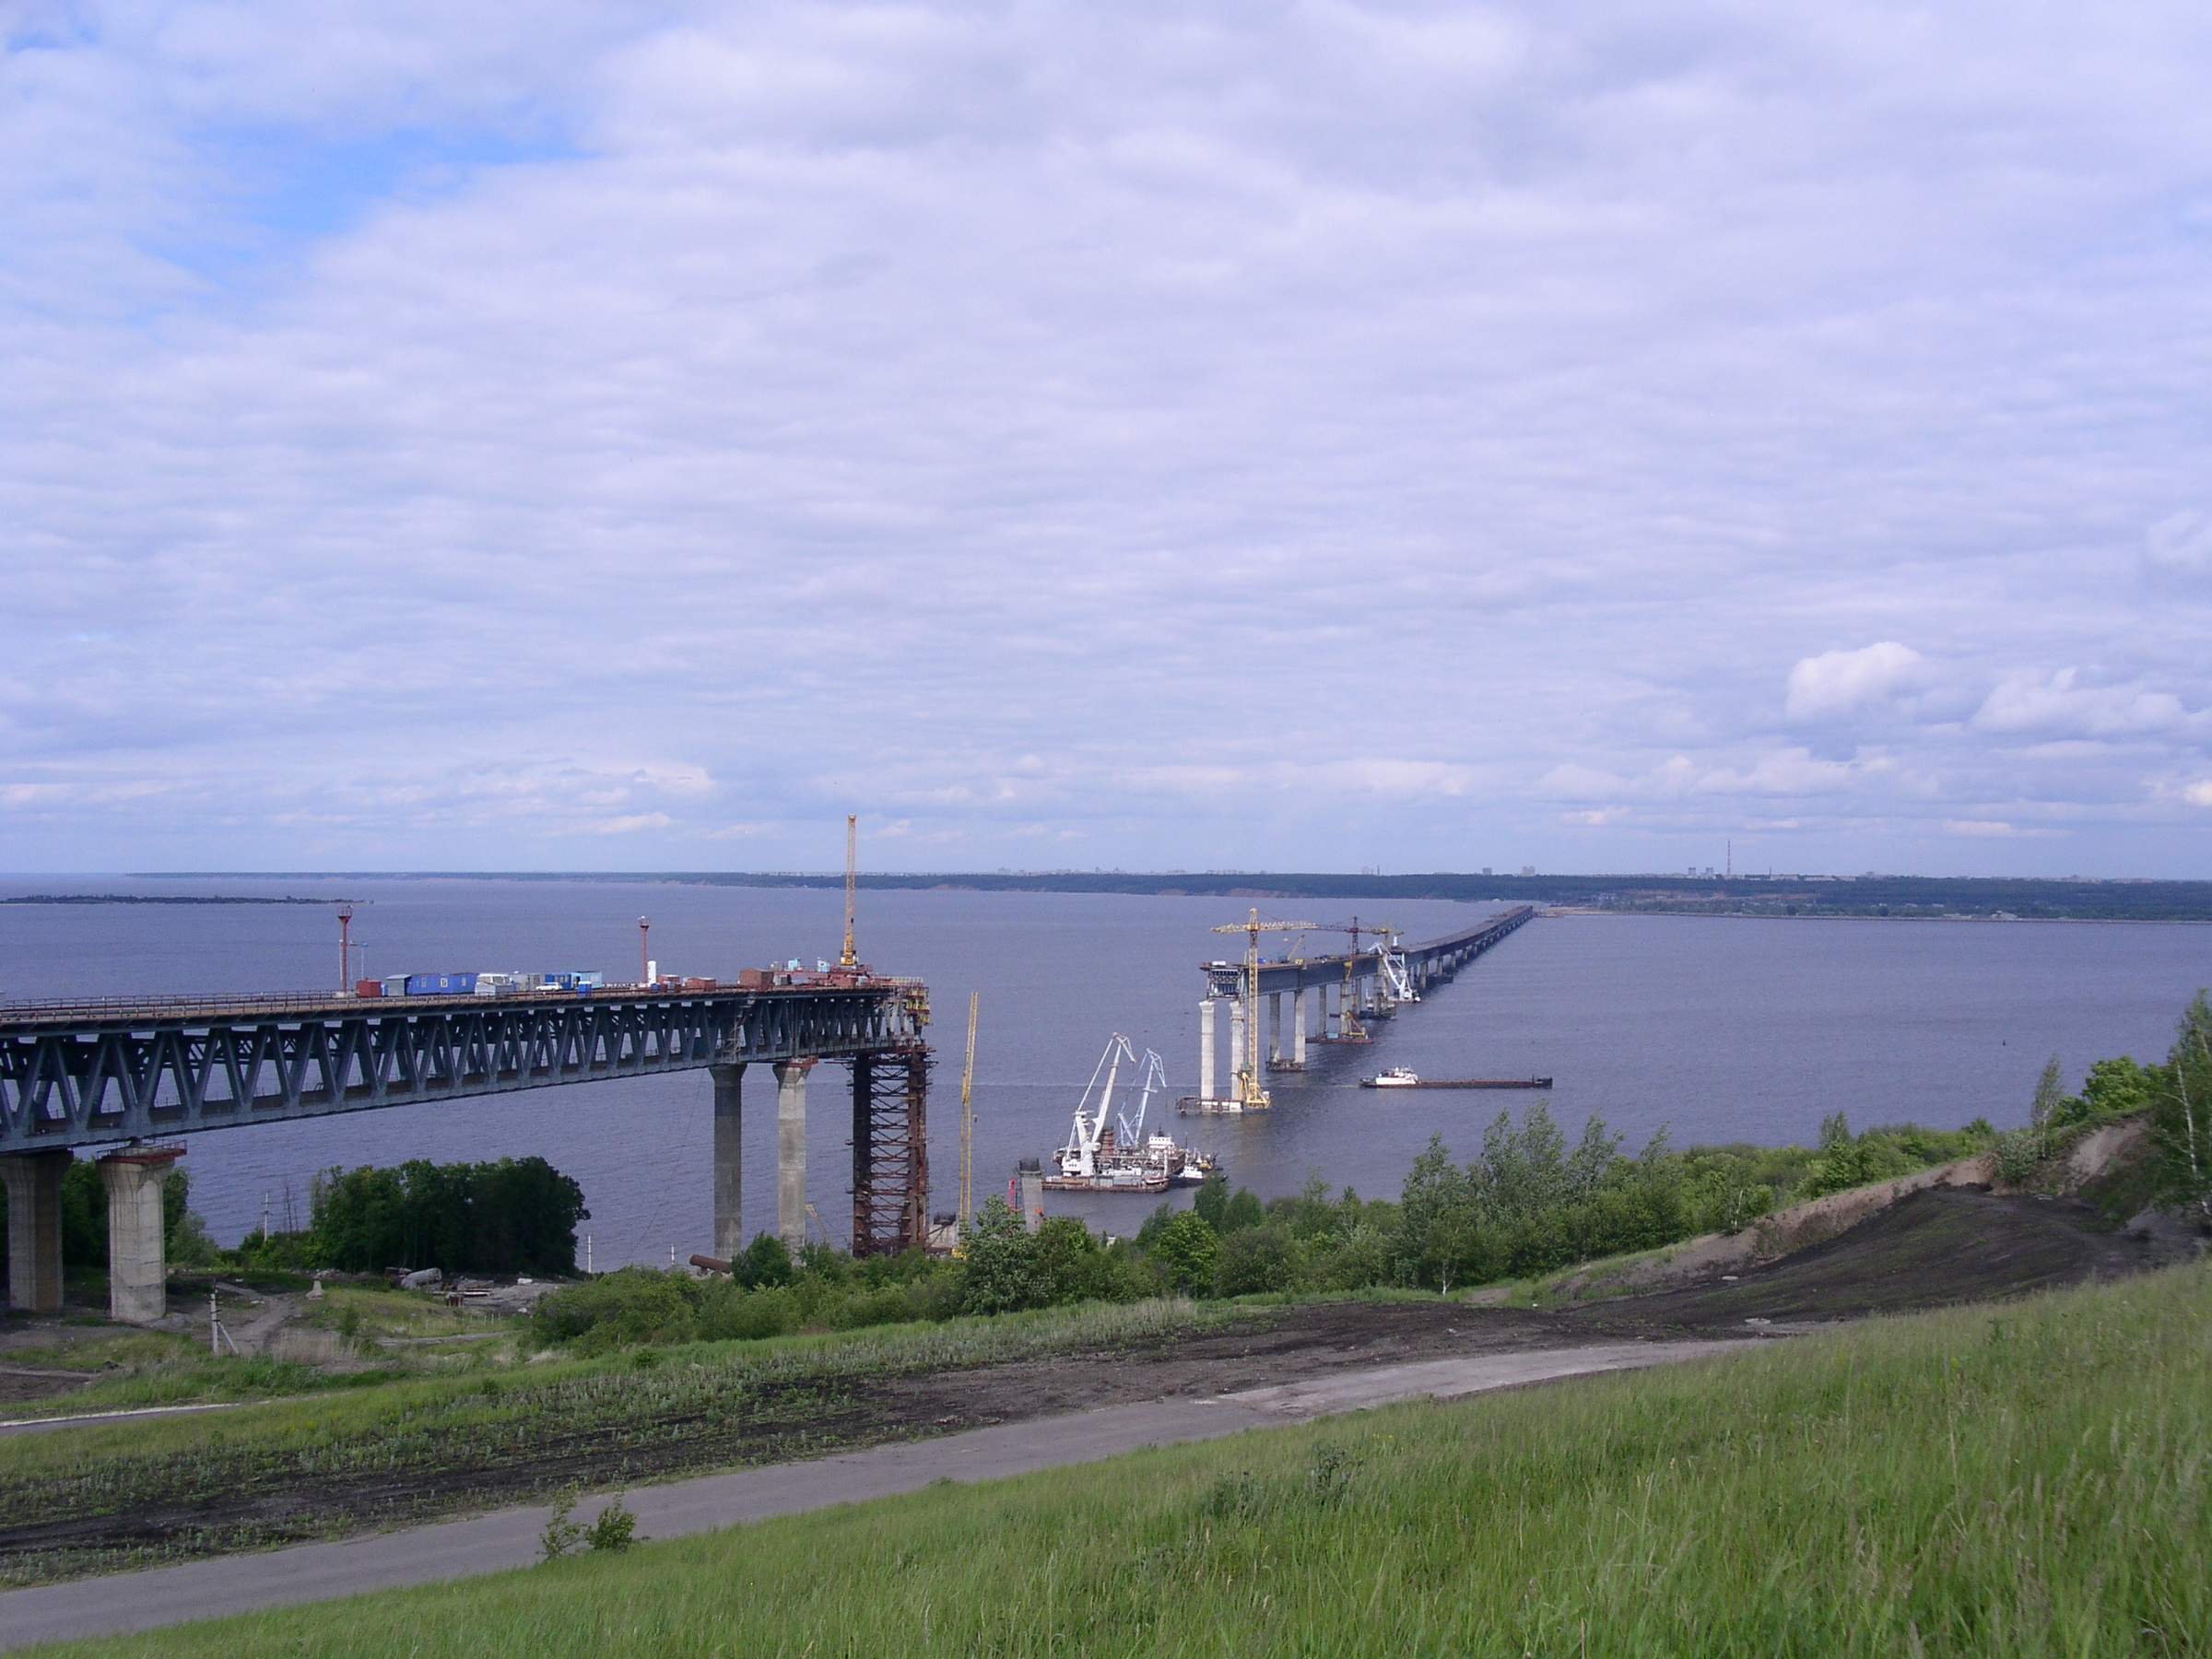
point(1275, 1027)
point(1236, 1039)
point(137, 1267)
point(1297, 1029)
point(1206, 1049)
point(33, 1181)
point(791, 1151)
point(729, 1160)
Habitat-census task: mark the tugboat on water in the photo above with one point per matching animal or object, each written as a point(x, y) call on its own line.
point(1106, 1152)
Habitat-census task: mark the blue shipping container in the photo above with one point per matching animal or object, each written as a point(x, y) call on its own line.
point(442, 984)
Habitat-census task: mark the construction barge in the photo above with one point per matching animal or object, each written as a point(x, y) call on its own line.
point(1123, 1159)
point(1397, 1076)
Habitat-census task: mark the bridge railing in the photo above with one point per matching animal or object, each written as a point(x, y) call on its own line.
point(114, 1009)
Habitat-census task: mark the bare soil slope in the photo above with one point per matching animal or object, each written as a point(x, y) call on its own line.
point(1935, 1247)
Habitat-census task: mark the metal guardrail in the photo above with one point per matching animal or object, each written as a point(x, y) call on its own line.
point(111, 1010)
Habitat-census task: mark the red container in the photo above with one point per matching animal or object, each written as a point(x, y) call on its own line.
point(368, 987)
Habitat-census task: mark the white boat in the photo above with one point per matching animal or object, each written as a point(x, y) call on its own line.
point(1393, 1077)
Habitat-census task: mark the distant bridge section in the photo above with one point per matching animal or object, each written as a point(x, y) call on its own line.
point(1360, 985)
point(108, 1073)
point(1429, 963)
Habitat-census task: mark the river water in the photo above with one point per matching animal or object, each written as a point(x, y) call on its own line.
point(1716, 1028)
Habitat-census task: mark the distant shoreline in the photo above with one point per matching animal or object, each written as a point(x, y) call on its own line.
point(1866, 897)
point(163, 899)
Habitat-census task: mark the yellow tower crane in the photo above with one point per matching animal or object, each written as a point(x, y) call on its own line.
point(967, 1217)
point(850, 959)
point(1252, 1094)
point(1349, 1029)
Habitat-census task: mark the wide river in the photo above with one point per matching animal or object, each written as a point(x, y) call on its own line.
point(1717, 1030)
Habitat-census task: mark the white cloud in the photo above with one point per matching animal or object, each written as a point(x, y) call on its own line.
point(1978, 829)
point(2198, 793)
point(1840, 682)
point(2181, 542)
point(1029, 422)
point(2063, 705)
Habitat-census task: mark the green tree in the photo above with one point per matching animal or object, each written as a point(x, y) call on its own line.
point(766, 1262)
point(1255, 1259)
point(1212, 1200)
point(2044, 1107)
point(1185, 1250)
point(2116, 1089)
point(2181, 1120)
point(1071, 1265)
point(1004, 1274)
point(1243, 1210)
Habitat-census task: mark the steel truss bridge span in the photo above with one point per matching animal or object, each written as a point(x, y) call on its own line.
point(95, 1074)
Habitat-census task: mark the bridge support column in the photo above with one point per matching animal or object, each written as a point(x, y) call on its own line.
point(1206, 1049)
point(729, 1160)
point(34, 1229)
point(1297, 1029)
point(791, 1151)
point(138, 1270)
point(1236, 1042)
point(1275, 1027)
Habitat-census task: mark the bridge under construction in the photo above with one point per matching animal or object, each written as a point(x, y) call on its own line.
point(133, 1075)
point(1330, 998)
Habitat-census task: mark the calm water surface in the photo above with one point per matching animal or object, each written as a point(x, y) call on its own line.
point(1718, 1029)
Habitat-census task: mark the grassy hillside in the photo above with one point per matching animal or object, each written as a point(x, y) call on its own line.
point(2023, 1479)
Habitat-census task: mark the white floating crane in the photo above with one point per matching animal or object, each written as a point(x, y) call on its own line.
point(1080, 1156)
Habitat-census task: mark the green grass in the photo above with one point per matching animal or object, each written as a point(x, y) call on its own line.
point(2034, 1479)
point(422, 1445)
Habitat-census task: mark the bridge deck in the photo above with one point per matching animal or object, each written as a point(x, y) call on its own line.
point(97, 1072)
point(1303, 972)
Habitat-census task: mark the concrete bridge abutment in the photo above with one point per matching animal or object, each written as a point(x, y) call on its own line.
point(33, 1183)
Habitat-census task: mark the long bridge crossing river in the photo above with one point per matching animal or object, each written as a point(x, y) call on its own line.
point(120, 1073)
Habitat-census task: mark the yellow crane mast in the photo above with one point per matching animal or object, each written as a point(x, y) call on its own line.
point(1252, 1094)
point(968, 1125)
point(850, 958)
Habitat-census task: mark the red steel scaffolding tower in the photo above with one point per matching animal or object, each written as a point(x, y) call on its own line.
point(890, 1149)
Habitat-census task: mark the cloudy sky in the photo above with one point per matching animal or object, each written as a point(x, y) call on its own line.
point(1300, 436)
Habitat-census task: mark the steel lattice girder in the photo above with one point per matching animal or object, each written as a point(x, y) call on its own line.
point(890, 1151)
point(110, 1080)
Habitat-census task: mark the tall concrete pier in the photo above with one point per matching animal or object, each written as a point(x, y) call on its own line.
point(137, 1263)
point(729, 1160)
point(791, 1151)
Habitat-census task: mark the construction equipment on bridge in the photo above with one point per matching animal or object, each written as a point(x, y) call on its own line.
point(1251, 1094)
point(850, 959)
point(1348, 1026)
